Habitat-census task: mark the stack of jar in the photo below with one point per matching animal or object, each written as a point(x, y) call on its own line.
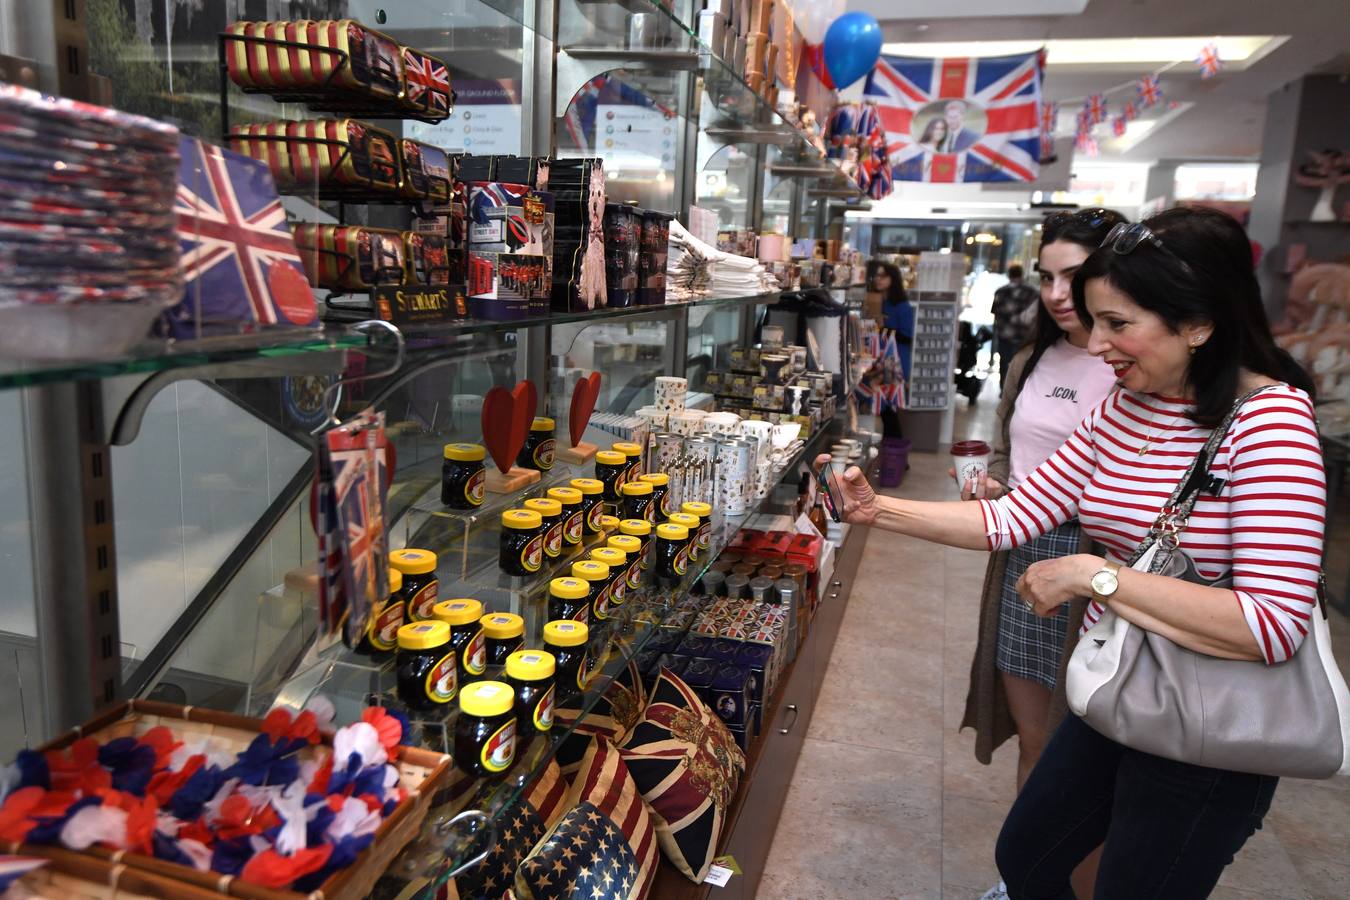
point(783, 584)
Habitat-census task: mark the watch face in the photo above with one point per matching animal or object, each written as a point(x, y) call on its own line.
point(1104, 583)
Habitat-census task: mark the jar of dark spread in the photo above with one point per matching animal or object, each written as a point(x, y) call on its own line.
point(632, 549)
point(610, 468)
point(569, 598)
point(617, 586)
point(505, 633)
point(386, 619)
point(463, 476)
point(634, 454)
point(425, 666)
point(592, 504)
point(660, 483)
point(419, 581)
point(530, 674)
point(672, 552)
point(522, 542)
point(597, 576)
point(485, 733)
point(567, 642)
point(537, 453)
point(466, 635)
point(704, 512)
point(550, 514)
point(691, 523)
point(572, 514)
point(642, 530)
point(637, 501)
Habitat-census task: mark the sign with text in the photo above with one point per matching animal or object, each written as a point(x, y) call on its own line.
point(420, 304)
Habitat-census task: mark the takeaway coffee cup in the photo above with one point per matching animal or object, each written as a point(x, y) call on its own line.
point(970, 460)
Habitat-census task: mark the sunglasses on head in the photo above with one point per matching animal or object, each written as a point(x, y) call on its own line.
point(1092, 218)
point(1125, 238)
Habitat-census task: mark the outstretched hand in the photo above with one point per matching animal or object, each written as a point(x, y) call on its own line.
point(859, 504)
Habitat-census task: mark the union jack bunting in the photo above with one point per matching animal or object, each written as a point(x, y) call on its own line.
point(1130, 111)
point(960, 119)
point(239, 259)
point(1084, 123)
point(428, 82)
point(1086, 144)
point(1047, 147)
point(1149, 90)
point(1209, 61)
point(1118, 126)
point(1049, 117)
point(1096, 108)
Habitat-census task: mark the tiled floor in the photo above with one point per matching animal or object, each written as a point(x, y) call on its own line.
point(888, 800)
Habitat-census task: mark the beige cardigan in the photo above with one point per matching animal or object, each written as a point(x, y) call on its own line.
point(986, 703)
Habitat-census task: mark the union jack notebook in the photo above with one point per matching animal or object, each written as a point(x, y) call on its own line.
point(240, 263)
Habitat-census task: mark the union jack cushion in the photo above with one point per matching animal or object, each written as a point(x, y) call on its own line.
point(687, 766)
point(613, 716)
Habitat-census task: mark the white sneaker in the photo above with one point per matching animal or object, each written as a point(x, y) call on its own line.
point(997, 892)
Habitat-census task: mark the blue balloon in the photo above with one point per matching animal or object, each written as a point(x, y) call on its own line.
point(852, 47)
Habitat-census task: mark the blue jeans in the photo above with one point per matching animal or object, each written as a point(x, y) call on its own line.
point(1169, 828)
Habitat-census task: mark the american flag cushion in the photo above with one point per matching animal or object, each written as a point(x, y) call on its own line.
point(520, 829)
point(613, 715)
point(604, 848)
point(687, 766)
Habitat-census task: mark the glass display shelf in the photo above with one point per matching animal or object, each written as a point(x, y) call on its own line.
point(352, 681)
point(280, 345)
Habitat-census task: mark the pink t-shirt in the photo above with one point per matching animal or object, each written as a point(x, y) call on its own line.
point(1066, 385)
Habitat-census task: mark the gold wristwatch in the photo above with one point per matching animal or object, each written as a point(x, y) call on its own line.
point(1105, 581)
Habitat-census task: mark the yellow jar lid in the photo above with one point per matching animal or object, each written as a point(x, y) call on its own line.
point(465, 452)
point(696, 508)
point(590, 570)
point(565, 495)
point(542, 423)
point(627, 448)
point(566, 633)
point(395, 580)
point(688, 521)
point(545, 506)
point(413, 562)
point(460, 611)
point(588, 485)
point(569, 588)
point(611, 458)
point(423, 635)
point(636, 488)
point(672, 532)
point(609, 556)
point(655, 478)
point(501, 626)
point(637, 527)
point(609, 523)
point(521, 519)
point(530, 665)
point(627, 543)
point(485, 699)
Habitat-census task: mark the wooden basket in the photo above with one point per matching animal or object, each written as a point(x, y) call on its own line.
point(420, 773)
point(77, 876)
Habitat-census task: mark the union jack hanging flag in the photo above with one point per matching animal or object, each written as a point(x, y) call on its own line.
point(1118, 126)
point(1149, 90)
point(1095, 106)
point(1047, 147)
point(240, 263)
point(1086, 144)
point(960, 119)
point(1130, 111)
point(1049, 117)
point(1209, 61)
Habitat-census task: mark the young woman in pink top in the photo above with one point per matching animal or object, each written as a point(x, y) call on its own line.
point(1174, 307)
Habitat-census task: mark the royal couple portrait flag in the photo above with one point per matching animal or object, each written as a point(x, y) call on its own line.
point(960, 119)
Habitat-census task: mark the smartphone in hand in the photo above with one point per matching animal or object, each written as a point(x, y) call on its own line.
point(827, 479)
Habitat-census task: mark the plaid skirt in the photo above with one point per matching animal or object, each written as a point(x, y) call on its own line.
point(1028, 645)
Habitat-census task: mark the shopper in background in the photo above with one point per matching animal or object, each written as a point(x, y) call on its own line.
point(1173, 305)
point(897, 317)
point(1014, 315)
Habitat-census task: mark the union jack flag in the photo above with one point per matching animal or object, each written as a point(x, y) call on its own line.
point(239, 258)
point(1149, 90)
point(1209, 61)
point(1049, 117)
point(1047, 148)
point(960, 119)
point(428, 82)
point(1118, 126)
point(1096, 108)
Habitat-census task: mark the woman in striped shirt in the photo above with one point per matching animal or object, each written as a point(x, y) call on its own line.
point(1173, 306)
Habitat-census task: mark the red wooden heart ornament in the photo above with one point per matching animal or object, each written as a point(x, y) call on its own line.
point(498, 427)
point(584, 396)
point(527, 400)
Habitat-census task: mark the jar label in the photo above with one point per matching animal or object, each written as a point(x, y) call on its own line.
point(543, 455)
point(635, 574)
point(665, 504)
point(421, 603)
point(644, 558)
point(384, 625)
point(532, 557)
point(572, 528)
point(618, 591)
point(543, 711)
point(649, 513)
point(500, 749)
point(443, 680)
point(681, 564)
point(475, 488)
point(704, 535)
point(553, 539)
point(593, 517)
point(584, 671)
point(602, 605)
point(475, 654)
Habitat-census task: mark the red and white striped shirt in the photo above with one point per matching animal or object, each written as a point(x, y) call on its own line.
point(1265, 526)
